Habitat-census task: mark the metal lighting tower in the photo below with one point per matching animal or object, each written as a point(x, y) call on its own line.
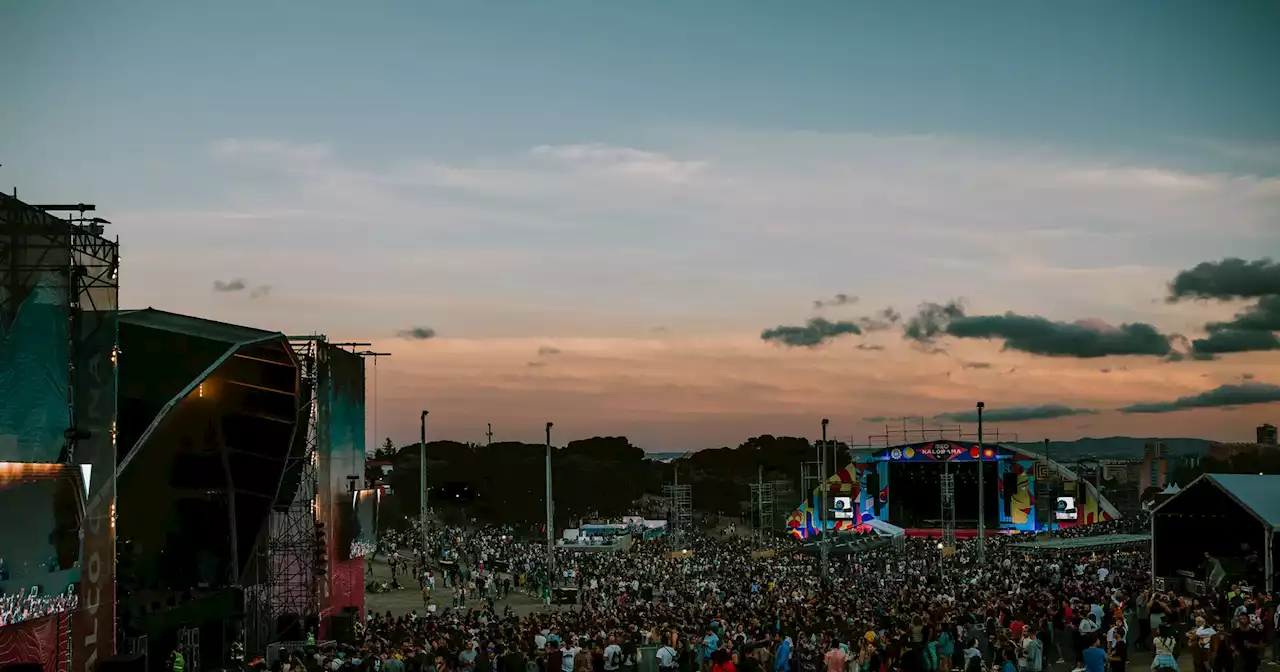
point(982, 514)
point(823, 488)
point(488, 434)
point(422, 481)
point(551, 549)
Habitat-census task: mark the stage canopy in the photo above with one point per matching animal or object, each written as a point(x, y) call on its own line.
point(1232, 517)
point(1084, 543)
point(207, 422)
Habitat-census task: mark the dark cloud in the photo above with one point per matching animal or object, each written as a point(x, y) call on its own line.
point(1228, 341)
point(814, 333)
point(418, 333)
point(1244, 394)
point(1039, 336)
point(1250, 330)
point(876, 419)
point(260, 291)
point(1246, 376)
point(547, 350)
point(931, 320)
point(535, 364)
point(837, 300)
point(1085, 339)
point(1230, 278)
point(1015, 414)
point(235, 285)
point(975, 365)
point(870, 346)
point(880, 320)
point(1261, 316)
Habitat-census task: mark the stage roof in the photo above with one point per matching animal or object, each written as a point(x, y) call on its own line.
point(196, 327)
point(1258, 494)
point(1084, 543)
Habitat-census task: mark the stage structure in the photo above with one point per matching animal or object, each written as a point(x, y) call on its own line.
point(1233, 518)
point(340, 455)
point(861, 492)
point(59, 292)
point(680, 505)
point(207, 429)
point(762, 498)
point(292, 591)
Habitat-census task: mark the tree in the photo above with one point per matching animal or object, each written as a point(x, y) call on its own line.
point(387, 450)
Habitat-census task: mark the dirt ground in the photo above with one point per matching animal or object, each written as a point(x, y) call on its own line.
point(409, 598)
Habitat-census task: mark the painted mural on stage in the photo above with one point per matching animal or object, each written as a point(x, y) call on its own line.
point(340, 467)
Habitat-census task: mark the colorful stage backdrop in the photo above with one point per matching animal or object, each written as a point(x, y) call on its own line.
point(340, 455)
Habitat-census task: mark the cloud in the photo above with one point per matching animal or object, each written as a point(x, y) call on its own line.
point(1083, 339)
point(1015, 414)
point(1246, 376)
point(931, 320)
point(417, 333)
point(880, 321)
point(876, 419)
point(1243, 394)
point(976, 365)
point(1250, 330)
point(535, 364)
point(236, 285)
point(815, 332)
point(837, 300)
point(260, 291)
point(1231, 278)
point(870, 346)
point(624, 161)
point(547, 350)
point(1221, 342)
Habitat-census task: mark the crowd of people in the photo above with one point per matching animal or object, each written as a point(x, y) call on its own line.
point(720, 603)
point(30, 603)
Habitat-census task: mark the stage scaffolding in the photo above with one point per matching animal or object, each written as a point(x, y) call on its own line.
point(948, 510)
point(291, 586)
point(762, 498)
point(680, 504)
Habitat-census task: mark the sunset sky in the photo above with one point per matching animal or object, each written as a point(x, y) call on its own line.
point(599, 211)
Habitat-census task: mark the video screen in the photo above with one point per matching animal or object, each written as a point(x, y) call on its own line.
point(1065, 508)
point(364, 535)
point(843, 508)
point(40, 546)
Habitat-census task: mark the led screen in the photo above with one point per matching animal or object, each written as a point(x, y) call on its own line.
point(843, 508)
point(40, 548)
point(1066, 508)
point(364, 536)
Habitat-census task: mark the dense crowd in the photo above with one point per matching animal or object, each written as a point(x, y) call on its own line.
point(27, 604)
point(722, 603)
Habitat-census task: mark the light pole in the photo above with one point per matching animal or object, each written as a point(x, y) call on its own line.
point(823, 490)
point(982, 499)
point(422, 480)
point(551, 549)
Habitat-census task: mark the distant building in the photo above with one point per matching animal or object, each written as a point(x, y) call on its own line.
point(1226, 451)
point(1156, 466)
point(1267, 434)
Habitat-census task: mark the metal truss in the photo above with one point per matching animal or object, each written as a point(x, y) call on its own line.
point(35, 245)
point(680, 503)
point(762, 498)
point(291, 586)
point(949, 510)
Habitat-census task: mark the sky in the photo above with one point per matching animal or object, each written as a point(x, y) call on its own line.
point(607, 215)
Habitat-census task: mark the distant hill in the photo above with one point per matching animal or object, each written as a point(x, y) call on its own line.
point(1111, 447)
point(1116, 447)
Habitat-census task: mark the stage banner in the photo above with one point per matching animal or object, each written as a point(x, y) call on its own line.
point(34, 357)
point(94, 623)
point(41, 641)
point(341, 475)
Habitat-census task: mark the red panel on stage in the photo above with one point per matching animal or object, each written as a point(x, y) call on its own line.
point(346, 587)
point(41, 640)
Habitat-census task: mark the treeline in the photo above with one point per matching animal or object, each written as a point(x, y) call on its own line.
point(601, 476)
